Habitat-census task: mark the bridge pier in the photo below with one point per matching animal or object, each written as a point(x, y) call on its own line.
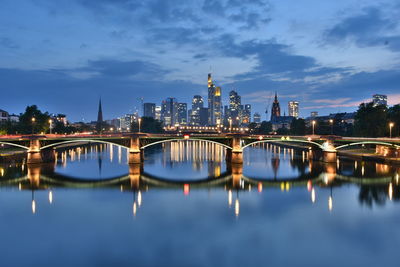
point(34, 155)
point(236, 154)
point(329, 156)
point(135, 153)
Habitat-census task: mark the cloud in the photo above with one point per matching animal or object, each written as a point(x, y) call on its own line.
point(8, 43)
point(332, 101)
point(370, 28)
point(118, 68)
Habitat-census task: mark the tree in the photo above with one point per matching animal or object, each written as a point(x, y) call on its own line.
point(394, 117)
point(40, 124)
point(298, 127)
point(283, 131)
point(371, 121)
point(147, 125)
point(265, 127)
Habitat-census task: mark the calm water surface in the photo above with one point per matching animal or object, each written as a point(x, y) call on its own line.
point(187, 207)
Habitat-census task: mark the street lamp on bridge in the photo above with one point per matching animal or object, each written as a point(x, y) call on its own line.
point(140, 121)
point(331, 122)
point(50, 125)
point(313, 127)
point(390, 129)
point(33, 123)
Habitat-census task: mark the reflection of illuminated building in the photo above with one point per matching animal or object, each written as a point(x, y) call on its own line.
point(196, 152)
point(275, 166)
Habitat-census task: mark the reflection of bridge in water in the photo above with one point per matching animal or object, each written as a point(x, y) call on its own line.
point(42, 177)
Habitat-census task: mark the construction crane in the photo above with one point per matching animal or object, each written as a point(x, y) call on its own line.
point(269, 104)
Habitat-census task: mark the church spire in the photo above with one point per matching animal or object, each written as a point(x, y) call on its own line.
point(276, 109)
point(99, 124)
point(100, 113)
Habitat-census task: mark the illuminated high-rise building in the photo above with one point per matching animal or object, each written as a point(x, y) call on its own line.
point(214, 103)
point(246, 114)
point(379, 100)
point(169, 111)
point(158, 113)
point(197, 104)
point(276, 109)
point(293, 107)
point(149, 110)
point(257, 117)
point(182, 113)
point(235, 107)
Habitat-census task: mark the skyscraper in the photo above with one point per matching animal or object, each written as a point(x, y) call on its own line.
point(169, 111)
point(197, 104)
point(246, 114)
point(214, 103)
point(276, 109)
point(99, 124)
point(158, 113)
point(257, 117)
point(182, 113)
point(293, 107)
point(149, 110)
point(235, 107)
point(379, 100)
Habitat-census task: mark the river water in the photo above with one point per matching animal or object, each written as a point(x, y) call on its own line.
point(187, 207)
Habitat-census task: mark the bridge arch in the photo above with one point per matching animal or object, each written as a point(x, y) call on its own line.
point(368, 143)
point(191, 139)
point(15, 145)
point(82, 141)
point(285, 140)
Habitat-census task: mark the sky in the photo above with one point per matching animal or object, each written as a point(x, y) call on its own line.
point(64, 55)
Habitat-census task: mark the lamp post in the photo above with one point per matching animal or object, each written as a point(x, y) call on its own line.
point(140, 121)
point(33, 123)
point(331, 122)
point(313, 127)
point(50, 125)
point(230, 124)
point(390, 128)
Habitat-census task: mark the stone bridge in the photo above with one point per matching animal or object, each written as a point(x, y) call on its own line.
point(42, 149)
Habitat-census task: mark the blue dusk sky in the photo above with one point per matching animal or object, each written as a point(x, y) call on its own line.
point(64, 54)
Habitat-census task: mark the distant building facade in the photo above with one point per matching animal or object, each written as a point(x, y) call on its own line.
point(3, 116)
point(197, 105)
point(246, 114)
point(293, 107)
point(149, 110)
point(169, 111)
point(235, 108)
point(379, 100)
point(182, 113)
point(158, 113)
point(257, 117)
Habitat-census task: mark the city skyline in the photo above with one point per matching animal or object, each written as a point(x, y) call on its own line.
point(78, 51)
